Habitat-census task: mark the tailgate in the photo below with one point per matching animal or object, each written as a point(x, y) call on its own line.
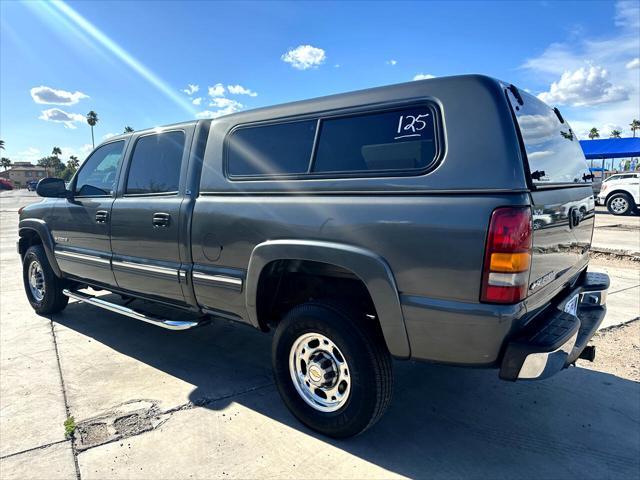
point(562, 198)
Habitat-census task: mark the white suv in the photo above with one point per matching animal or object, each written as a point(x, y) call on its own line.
point(621, 193)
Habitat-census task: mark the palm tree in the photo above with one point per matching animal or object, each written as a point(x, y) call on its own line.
point(73, 163)
point(56, 151)
point(92, 119)
point(128, 129)
point(1, 144)
point(5, 162)
point(615, 133)
point(635, 125)
point(593, 133)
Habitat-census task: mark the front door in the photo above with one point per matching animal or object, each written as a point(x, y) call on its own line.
point(145, 218)
point(80, 226)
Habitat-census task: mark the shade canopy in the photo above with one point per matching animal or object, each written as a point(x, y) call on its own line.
point(611, 148)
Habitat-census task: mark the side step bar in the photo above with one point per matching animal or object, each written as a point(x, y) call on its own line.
point(114, 307)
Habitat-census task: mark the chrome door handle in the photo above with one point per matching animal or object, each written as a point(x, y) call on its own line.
point(161, 219)
point(102, 216)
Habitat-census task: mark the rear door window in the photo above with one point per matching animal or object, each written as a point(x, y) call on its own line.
point(155, 164)
point(276, 149)
point(402, 139)
point(553, 151)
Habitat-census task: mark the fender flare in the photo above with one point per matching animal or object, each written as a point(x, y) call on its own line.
point(366, 265)
point(42, 230)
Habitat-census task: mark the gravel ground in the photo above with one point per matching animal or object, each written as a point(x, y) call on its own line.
point(617, 351)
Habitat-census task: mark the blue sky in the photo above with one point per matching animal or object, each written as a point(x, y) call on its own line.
point(133, 62)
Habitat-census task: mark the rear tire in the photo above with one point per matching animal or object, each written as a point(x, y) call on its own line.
point(620, 204)
point(42, 286)
point(332, 369)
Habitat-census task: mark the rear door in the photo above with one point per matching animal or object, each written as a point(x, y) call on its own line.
point(563, 206)
point(146, 219)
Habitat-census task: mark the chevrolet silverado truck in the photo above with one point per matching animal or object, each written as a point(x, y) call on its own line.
point(395, 222)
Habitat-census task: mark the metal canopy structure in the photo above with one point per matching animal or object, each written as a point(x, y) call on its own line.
point(611, 148)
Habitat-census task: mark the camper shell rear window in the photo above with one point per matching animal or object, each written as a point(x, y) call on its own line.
point(396, 141)
point(552, 149)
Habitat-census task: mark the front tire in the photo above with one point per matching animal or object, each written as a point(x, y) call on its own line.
point(332, 369)
point(42, 286)
point(620, 204)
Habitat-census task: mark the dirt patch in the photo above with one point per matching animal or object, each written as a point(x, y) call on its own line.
point(93, 433)
point(617, 351)
point(132, 425)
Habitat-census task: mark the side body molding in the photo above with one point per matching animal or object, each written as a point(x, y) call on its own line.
point(369, 267)
point(40, 227)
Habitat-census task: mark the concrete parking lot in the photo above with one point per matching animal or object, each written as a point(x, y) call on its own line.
point(151, 403)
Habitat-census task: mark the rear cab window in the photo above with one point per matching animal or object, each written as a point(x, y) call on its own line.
point(552, 149)
point(394, 141)
point(155, 164)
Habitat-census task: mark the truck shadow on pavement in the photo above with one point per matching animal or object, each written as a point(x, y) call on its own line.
point(443, 421)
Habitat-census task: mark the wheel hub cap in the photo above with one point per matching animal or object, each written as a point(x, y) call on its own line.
point(36, 281)
point(319, 372)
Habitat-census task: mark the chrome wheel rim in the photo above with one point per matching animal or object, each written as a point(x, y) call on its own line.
point(36, 281)
point(619, 205)
point(319, 372)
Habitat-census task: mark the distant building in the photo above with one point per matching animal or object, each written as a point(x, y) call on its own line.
point(22, 172)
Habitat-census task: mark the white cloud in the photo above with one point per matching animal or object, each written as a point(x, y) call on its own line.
point(635, 63)
point(610, 49)
point(81, 152)
point(225, 106)
point(52, 96)
point(392, 62)
point(109, 135)
point(304, 57)
point(337, 65)
point(31, 154)
point(240, 90)
point(217, 90)
point(584, 87)
point(197, 101)
point(221, 102)
point(60, 116)
point(628, 14)
point(191, 89)
point(423, 76)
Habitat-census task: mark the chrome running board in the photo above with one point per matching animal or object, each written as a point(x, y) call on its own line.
point(114, 307)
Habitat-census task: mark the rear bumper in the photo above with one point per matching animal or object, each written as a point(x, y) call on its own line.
point(557, 338)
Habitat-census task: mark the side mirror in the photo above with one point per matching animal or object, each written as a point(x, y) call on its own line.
point(52, 187)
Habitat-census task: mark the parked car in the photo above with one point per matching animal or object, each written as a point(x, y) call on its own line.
point(621, 193)
point(5, 184)
point(345, 224)
point(31, 185)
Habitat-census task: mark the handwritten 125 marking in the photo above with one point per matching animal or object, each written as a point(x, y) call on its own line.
point(413, 124)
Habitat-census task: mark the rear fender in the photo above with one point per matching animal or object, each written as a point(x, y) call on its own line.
point(369, 267)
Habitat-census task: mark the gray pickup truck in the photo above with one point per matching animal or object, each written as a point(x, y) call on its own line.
point(446, 220)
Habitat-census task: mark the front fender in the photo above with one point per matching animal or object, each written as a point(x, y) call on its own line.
point(42, 230)
point(366, 265)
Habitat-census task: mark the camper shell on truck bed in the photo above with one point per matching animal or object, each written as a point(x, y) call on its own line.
point(446, 220)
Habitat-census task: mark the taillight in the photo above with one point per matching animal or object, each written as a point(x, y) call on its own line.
point(507, 256)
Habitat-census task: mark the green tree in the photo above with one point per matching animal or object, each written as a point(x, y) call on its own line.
point(52, 164)
point(594, 133)
point(92, 120)
point(615, 133)
point(128, 129)
point(56, 151)
point(1, 144)
point(73, 162)
point(635, 125)
point(5, 163)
